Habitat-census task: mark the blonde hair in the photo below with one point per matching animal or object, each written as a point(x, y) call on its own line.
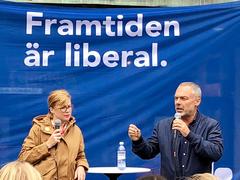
point(19, 170)
point(203, 176)
point(57, 97)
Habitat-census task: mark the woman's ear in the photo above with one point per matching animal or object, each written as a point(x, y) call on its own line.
point(51, 110)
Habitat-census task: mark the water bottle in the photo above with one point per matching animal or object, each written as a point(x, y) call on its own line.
point(121, 156)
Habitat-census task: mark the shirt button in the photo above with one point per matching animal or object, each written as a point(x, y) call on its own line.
point(184, 154)
point(185, 142)
point(183, 166)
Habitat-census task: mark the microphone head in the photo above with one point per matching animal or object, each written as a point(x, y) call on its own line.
point(57, 123)
point(177, 115)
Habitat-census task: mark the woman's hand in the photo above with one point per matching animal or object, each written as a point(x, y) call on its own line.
point(80, 173)
point(54, 138)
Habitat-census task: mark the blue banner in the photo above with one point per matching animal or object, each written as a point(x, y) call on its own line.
point(121, 66)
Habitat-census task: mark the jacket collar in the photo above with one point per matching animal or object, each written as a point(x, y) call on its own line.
point(46, 125)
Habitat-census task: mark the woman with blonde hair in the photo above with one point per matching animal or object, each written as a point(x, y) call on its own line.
point(55, 144)
point(19, 170)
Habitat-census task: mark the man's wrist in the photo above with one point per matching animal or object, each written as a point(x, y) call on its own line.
point(139, 141)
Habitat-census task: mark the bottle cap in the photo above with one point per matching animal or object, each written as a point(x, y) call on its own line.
point(121, 143)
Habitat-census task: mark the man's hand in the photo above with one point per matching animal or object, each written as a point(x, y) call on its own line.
point(181, 126)
point(133, 132)
point(80, 173)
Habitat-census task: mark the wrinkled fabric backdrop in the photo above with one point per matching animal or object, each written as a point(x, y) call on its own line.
point(121, 66)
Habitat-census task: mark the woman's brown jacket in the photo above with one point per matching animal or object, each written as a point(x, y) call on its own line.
point(60, 161)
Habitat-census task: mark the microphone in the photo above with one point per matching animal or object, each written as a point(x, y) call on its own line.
point(57, 123)
point(175, 147)
point(176, 116)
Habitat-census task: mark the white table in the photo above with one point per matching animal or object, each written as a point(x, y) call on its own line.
point(113, 172)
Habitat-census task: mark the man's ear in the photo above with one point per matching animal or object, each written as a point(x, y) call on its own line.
point(198, 100)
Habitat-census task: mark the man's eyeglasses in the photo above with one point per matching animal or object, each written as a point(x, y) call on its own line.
point(65, 108)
